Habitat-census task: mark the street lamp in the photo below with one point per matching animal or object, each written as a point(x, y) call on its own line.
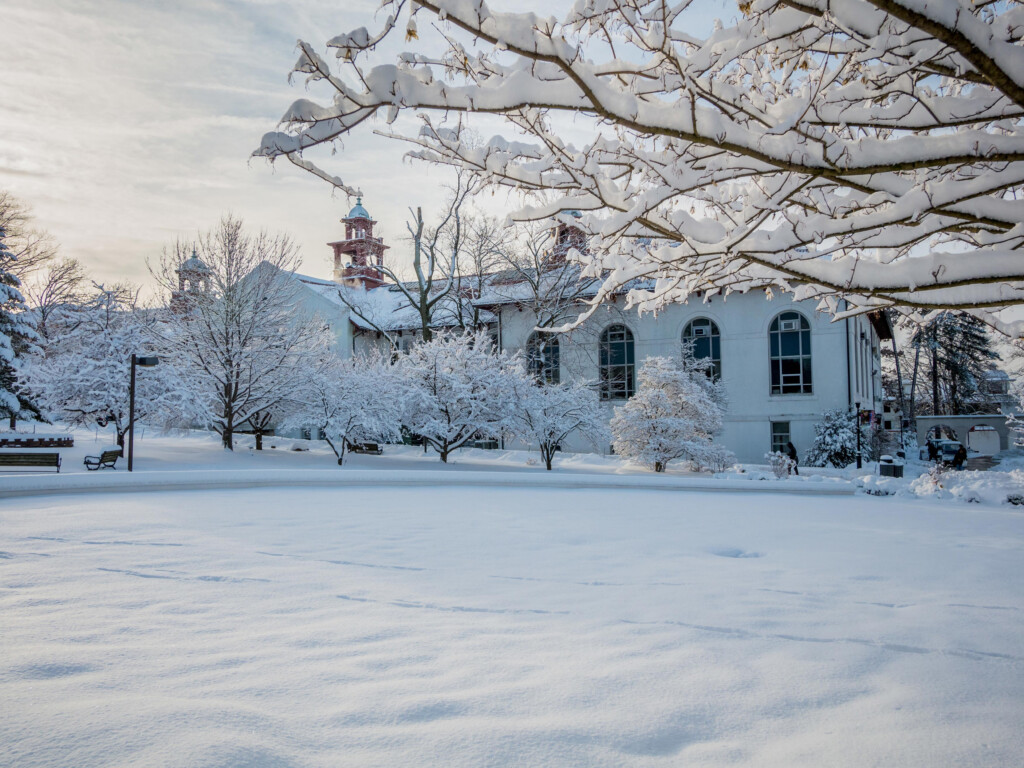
point(856, 424)
point(145, 362)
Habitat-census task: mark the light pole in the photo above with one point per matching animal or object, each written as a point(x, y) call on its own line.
point(856, 424)
point(145, 362)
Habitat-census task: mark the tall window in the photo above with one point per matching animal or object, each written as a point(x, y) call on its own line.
point(790, 345)
point(703, 335)
point(542, 358)
point(617, 363)
point(780, 436)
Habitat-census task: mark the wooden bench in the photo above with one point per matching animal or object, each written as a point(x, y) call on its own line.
point(373, 448)
point(30, 460)
point(105, 459)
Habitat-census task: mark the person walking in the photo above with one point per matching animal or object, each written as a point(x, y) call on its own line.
point(791, 452)
point(959, 457)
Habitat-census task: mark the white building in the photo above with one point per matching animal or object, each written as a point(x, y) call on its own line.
point(782, 362)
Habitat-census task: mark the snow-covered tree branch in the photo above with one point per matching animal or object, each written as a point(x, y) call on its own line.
point(864, 152)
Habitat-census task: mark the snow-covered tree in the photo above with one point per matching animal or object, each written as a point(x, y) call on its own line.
point(956, 352)
point(866, 150)
point(17, 338)
point(84, 377)
point(456, 388)
point(358, 400)
point(234, 329)
point(547, 415)
point(835, 440)
point(671, 416)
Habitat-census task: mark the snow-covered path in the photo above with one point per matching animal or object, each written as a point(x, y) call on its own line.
point(501, 627)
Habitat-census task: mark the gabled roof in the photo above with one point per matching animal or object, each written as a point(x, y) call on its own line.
point(386, 307)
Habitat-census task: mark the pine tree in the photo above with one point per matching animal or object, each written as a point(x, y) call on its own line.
point(835, 440)
point(956, 352)
point(17, 338)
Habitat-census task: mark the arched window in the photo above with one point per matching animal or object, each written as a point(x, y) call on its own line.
point(617, 363)
point(542, 358)
point(702, 334)
point(790, 346)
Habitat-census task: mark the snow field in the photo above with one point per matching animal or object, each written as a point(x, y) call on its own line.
point(476, 627)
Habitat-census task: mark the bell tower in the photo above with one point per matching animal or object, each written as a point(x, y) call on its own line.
point(567, 237)
point(193, 282)
point(358, 256)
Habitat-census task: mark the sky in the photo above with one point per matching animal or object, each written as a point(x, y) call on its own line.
point(128, 124)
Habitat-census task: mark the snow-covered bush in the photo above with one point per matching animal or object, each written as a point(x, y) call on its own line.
point(671, 416)
point(713, 457)
point(547, 415)
point(358, 400)
point(835, 440)
point(781, 465)
point(456, 388)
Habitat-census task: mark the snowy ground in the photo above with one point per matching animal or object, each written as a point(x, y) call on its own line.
point(474, 627)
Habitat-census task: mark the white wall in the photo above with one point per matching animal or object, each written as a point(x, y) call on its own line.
point(743, 321)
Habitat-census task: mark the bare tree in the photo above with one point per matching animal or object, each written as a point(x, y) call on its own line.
point(59, 290)
point(866, 150)
point(30, 248)
point(232, 322)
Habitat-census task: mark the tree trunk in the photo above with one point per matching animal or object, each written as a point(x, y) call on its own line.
point(228, 433)
point(659, 466)
point(13, 421)
point(259, 441)
point(548, 454)
point(935, 375)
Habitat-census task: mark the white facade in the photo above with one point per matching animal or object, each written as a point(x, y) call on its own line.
point(845, 364)
point(844, 356)
point(836, 364)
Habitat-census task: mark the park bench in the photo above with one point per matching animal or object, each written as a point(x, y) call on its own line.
point(105, 459)
point(373, 448)
point(30, 460)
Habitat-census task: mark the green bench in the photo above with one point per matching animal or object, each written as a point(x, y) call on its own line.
point(30, 460)
point(107, 459)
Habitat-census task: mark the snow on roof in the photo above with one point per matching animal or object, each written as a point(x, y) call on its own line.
point(386, 308)
point(995, 374)
point(193, 264)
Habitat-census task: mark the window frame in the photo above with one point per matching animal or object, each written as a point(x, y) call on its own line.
point(801, 381)
point(782, 444)
point(714, 344)
point(617, 379)
point(544, 365)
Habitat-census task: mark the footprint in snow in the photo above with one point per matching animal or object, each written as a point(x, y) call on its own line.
point(732, 552)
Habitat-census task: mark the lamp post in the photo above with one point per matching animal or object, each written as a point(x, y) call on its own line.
point(145, 362)
point(856, 424)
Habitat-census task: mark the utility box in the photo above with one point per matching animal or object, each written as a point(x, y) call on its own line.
point(888, 468)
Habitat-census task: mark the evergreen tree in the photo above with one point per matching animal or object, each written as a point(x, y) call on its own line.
point(17, 338)
point(835, 440)
point(956, 350)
